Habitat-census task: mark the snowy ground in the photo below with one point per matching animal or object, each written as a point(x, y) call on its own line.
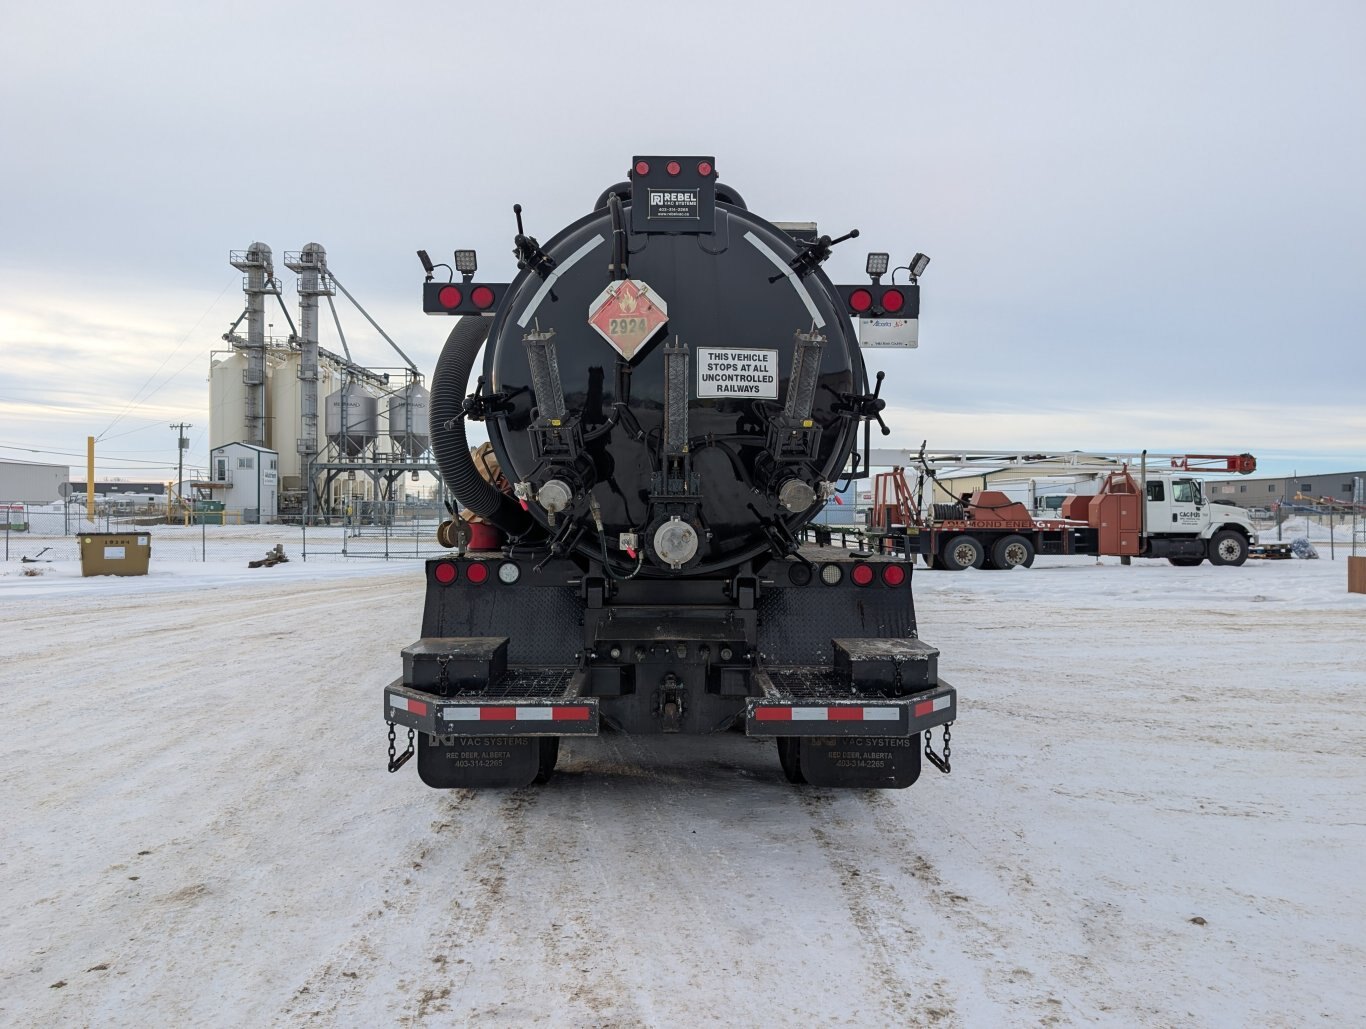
point(1157, 816)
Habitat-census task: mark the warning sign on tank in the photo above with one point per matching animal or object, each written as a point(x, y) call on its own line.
point(628, 315)
point(737, 373)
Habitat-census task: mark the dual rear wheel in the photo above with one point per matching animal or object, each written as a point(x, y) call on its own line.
point(964, 551)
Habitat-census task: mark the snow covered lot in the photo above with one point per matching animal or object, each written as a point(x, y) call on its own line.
point(1157, 816)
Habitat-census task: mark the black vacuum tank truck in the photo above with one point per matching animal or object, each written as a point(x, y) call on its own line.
point(672, 388)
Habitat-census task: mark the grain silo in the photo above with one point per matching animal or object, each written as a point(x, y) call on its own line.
point(352, 419)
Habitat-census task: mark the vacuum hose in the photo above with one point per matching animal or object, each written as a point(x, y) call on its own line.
point(447, 426)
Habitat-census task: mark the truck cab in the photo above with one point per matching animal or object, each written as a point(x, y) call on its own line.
point(1182, 524)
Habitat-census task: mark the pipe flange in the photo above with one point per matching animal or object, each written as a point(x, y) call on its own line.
point(675, 542)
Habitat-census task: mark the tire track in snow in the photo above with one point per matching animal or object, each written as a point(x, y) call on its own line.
point(366, 958)
point(876, 907)
point(455, 945)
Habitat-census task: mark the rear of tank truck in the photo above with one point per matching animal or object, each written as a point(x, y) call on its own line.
point(672, 387)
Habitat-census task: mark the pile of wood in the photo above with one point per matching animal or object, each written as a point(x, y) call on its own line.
point(275, 556)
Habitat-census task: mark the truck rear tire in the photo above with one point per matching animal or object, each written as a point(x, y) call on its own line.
point(550, 755)
point(1013, 552)
point(789, 756)
point(1227, 547)
point(963, 551)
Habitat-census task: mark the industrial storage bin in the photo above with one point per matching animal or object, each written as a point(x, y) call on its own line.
point(115, 553)
point(1356, 575)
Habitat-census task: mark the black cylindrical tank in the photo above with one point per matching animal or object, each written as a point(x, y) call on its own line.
point(725, 291)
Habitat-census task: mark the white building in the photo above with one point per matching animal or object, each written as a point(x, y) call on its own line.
point(251, 480)
point(31, 482)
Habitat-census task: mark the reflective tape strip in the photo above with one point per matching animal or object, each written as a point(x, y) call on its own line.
point(413, 707)
point(792, 277)
point(773, 714)
point(929, 707)
point(521, 713)
point(827, 714)
point(881, 714)
point(549, 281)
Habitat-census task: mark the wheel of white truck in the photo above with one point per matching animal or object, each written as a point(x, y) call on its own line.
point(1227, 547)
point(1013, 552)
point(963, 552)
point(1186, 562)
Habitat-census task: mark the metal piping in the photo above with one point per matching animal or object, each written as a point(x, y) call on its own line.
point(337, 322)
point(1143, 498)
point(375, 324)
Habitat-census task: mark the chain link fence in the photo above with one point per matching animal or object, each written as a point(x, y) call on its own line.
point(388, 532)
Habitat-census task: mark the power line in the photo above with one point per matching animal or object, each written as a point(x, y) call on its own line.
point(103, 460)
point(136, 401)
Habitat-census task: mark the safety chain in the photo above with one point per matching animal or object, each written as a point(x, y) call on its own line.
point(941, 763)
point(395, 763)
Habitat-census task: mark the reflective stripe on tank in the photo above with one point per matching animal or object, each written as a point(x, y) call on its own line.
point(791, 276)
point(555, 273)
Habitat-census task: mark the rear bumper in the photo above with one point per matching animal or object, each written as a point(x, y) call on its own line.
point(779, 713)
point(477, 716)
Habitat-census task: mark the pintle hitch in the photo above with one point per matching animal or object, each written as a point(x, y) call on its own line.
point(670, 703)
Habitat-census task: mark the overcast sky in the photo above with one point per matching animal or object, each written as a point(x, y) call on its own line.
point(1147, 221)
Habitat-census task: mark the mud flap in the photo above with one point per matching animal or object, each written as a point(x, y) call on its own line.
point(458, 762)
point(867, 762)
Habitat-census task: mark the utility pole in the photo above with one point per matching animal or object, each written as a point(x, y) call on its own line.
point(180, 467)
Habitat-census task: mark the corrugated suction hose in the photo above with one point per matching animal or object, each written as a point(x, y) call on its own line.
point(450, 384)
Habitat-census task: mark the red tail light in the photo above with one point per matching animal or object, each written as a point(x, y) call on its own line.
point(673, 168)
point(893, 575)
point(861, 300)
point(445, 573)
point(477, 572)
point(893, 300)
point(862, 574)
point(450, 297)
point(642, 167)
point(704, 169)
point(482, 297)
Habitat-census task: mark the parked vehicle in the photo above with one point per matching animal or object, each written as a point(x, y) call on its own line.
point(672, 388)
point(1153, 514)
